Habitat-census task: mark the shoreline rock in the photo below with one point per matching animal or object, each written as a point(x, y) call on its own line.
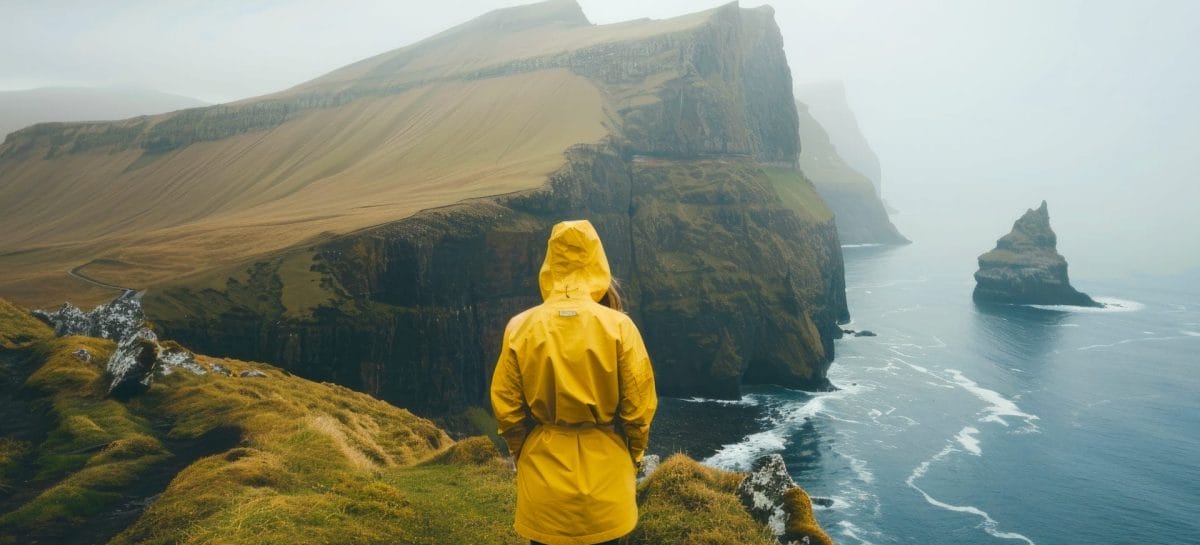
point(1025, 267)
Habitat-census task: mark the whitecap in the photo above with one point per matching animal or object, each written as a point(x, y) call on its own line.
point(864, 245)
point(1111, 304)
point(787, 419)
point(1191, 333)
point(851, 531)
point(998, 406)
point(966, 438)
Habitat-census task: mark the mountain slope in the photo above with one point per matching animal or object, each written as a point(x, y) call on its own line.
point(23, 108)
point(376, 227)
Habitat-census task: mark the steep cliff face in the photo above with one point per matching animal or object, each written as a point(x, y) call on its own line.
point(676, 138)
point(861, 216)
point(1026, 268)
point(828, 105)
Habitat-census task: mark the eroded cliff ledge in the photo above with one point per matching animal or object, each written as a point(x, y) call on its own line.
point(1025, 268)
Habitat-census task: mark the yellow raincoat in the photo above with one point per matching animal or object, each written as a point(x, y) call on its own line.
point(573, 393)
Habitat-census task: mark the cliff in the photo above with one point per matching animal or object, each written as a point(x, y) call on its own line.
point(236, 452)
point(1026, 268)
point(376, 227)
point(828, 105)
point(858, 209)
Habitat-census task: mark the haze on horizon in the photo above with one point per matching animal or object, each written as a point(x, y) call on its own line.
point(977, 109)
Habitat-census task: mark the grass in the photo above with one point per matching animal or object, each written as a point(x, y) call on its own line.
point(302, 463)
point(798, 194)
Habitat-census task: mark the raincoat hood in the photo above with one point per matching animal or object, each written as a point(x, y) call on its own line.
point(575, 266)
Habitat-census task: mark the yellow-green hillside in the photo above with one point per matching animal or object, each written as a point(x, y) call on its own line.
point(486, 108)
point(274, 459)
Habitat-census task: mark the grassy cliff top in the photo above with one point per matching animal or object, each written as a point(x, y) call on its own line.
point(487, 108)
point(221, 458)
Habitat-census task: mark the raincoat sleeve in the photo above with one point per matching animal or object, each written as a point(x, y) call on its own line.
point(508, 398)
point(638, 398)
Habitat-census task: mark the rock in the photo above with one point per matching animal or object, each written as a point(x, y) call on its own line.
point(649, 464)
point(114, 321)
point(172, 356)
point(252, 373)
point(131, 366)
point(1026, 268)
point(762, 491)
point(773, 498)
point(823, 502)
point(865, 333)
point(221, 370)
point(139, 354)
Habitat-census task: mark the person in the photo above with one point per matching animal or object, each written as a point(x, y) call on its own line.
point(573, 395)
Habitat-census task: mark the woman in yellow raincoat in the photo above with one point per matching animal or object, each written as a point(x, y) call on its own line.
point(573, 393)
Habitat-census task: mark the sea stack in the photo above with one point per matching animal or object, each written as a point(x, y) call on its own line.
point(1026, 268)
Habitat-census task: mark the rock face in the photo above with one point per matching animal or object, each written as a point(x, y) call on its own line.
point(860, 213)
point(829, 107)
point(1026, 268)
point(730, 260)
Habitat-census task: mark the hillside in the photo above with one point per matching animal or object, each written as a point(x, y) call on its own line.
point(236, 452)
point(19, 109)
point(375, 227)
point(860, 213)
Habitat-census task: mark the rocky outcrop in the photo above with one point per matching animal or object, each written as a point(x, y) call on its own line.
point(860, 213)
point(1026, 268)
point(139, 355)
point(774, 499)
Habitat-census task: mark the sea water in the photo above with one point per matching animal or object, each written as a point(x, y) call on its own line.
point(962, 423)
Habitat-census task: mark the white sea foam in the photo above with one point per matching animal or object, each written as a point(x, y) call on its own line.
point(989, 524)
point(1111, 304)
point(788, 418)
point(998, 405)
point(966, 438)
point(746, 401)
point(865, 245)
point(1191, 333)
point(1136, 340)
point(1068, 325)
point(851, 531)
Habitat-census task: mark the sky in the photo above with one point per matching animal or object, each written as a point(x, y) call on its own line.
point(978, 109)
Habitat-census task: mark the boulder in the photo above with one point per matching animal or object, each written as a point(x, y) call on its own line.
point(131, 366)
point(1026, 268)
point(773, 498)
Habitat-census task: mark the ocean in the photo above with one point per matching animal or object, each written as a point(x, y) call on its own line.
point(967, 424)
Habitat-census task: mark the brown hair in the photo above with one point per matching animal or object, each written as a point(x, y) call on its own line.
point(612, 298)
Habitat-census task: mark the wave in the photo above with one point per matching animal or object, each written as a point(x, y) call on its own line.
point(989, 524)
point(1139, 340)
point(1191, 333)
point(745, 401)
point(851, 531)
point(966, 438)
point(1111, 304)
point(790, 416)
point(863, 245)
point(998, 405)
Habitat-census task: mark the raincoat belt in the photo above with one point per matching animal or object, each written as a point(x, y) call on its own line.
point(578, 426)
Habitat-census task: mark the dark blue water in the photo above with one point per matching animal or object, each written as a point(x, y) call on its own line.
point(966, 424)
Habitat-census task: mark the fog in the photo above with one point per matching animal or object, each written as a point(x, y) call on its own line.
point(977, 109)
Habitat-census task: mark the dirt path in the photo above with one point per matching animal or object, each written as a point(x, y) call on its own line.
point(74, 273)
